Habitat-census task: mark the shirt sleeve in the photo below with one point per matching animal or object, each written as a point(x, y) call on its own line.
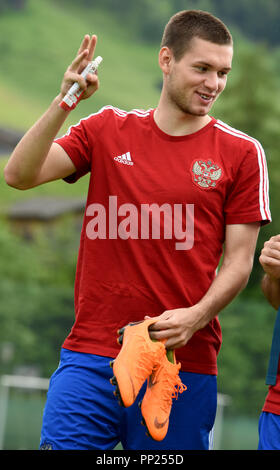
point(79, 143)
point(76, 144)
point(248, 200)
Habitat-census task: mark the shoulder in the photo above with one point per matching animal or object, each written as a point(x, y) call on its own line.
point(111, 117)
point(239, 138)
point(106, 120)
point(111, 112)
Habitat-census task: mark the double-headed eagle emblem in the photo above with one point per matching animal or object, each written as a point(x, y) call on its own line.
point(206, 174)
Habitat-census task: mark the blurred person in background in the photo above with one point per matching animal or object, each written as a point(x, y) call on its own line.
point(269, 422)
point(176, 154)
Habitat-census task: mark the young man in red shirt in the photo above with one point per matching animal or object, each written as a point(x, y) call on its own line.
point(170, 188)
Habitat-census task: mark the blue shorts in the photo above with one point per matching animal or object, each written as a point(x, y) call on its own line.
point(81, 412)
point(269, 431)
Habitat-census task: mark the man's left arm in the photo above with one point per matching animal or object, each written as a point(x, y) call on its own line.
point(179, 325)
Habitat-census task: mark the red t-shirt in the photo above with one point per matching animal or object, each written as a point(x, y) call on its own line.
point(154, 223)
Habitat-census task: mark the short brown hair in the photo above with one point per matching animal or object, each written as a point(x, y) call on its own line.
point(187, 24)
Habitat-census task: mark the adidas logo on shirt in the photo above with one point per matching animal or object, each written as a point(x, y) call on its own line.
point(125, 158)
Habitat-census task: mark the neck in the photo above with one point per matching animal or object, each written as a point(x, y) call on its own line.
point(176, 122)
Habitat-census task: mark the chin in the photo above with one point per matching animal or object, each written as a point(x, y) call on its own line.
point(193, 110)
point(199, 112)
point(203, 111)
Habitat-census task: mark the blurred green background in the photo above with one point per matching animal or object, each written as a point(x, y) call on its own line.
point(38, 39)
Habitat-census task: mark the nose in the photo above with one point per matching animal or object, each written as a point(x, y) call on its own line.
point(212, 81)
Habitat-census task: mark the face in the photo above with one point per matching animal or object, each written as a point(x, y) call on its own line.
point(194, 83)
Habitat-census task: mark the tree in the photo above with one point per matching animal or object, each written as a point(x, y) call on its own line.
point(36, 296)
point(12, 4)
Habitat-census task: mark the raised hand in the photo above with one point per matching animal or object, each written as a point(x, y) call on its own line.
point(73, 73)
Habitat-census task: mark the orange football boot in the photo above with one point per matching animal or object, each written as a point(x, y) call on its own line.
point(136, 360)
point(163, 385)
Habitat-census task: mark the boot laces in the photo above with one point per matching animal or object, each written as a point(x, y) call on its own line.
point(172, 386)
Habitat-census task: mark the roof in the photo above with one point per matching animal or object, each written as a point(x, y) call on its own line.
point(8, 139)
point(45, 208)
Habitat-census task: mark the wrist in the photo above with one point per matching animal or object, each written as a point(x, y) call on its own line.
point(58, 98)
point(57, 104)
point(199, 315)
point(272, 278)
point(271, 289)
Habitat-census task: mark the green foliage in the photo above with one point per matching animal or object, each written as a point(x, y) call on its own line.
point(36, 295)
point(247, 326)
point(12, 4)
point(258, 19)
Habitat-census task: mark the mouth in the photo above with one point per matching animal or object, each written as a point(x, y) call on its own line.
point(206, 98)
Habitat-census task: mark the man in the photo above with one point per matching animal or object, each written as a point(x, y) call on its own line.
point(169, 188)
point(269, 422)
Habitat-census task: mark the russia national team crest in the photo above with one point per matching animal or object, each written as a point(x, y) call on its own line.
point(206, 174)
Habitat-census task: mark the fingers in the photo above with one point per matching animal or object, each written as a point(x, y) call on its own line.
point(73, 72)
point(92, 85)
point(165, 328)
point(84, 44)
point(161, 322)
point(271, 266)
point(175, 326)
point(72, 77)
point(273, 242)
point(91, 48)
point(270, 256)
point(85, 53)
point(88, 43)
point(173, 339)
point(78, 61)
point(271, 250)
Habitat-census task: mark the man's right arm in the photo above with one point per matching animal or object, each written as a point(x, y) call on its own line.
point(37, 159)
point(270, 261)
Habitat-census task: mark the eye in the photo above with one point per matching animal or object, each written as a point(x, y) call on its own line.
point(222, 74)
point(201, 68)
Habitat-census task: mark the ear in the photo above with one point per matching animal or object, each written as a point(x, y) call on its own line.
point(165, 59)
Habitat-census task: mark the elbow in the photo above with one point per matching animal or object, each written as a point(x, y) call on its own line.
point(13, 180)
